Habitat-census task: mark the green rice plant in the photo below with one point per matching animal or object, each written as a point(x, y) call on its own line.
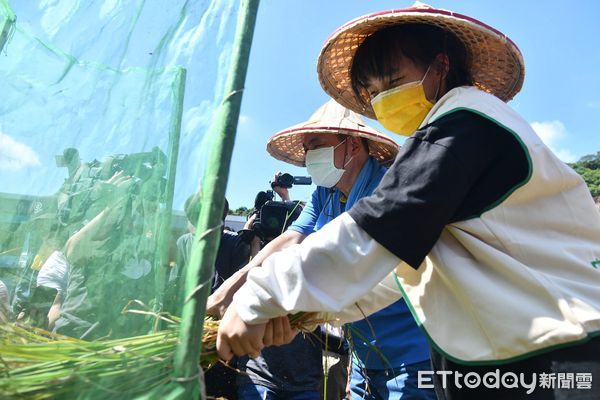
point(37, 364)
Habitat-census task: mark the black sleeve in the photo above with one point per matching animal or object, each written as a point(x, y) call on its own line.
point(246, 235)
point(241, 254)
point(232, 255)
point(451, 170)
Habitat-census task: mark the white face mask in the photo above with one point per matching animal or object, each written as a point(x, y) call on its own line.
point(321, 168)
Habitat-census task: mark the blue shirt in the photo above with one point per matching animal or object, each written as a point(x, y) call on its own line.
point(389, 338)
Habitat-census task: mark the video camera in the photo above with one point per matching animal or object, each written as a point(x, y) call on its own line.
point(273, 217)
point(138, 165)
point(143, 167)
point(287, 181)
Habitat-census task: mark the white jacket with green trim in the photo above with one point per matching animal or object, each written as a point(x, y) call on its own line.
point(520, 278)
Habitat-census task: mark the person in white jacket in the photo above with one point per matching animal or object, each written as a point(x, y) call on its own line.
point(493, 242)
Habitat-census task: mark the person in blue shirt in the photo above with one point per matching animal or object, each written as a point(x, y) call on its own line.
point(346, 159)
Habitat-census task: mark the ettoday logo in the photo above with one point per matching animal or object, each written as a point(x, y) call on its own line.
point(507, 380)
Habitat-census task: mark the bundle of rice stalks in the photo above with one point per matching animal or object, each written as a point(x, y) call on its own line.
point(37, 364)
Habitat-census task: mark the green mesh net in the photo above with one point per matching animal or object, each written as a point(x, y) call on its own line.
point(104, 110)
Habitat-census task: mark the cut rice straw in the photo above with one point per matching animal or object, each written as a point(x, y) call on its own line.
point(37, 364)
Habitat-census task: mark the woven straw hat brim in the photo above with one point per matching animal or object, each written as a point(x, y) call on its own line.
point(287, 144)
point(495, 62)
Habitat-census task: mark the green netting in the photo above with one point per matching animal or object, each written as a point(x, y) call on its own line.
point(103, 117)
point(7, 19)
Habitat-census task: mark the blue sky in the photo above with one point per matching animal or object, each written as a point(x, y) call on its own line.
point(560, 96)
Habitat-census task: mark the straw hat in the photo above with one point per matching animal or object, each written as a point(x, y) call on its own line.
point(495, 62)
point(330, 118)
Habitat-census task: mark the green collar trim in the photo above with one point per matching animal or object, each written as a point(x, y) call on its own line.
point(517, 137)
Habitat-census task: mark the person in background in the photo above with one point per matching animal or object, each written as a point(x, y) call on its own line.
point(233, 253)
point(32, 302)
point(4, 304)
point(335, 350)
point(69, 269)
point(495, 243)
point(52, 278)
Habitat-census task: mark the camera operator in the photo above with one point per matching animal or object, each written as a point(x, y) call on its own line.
point(72, 269)
point(271, 217)
point(113, 251)
point(74, 197)
point(281, 190)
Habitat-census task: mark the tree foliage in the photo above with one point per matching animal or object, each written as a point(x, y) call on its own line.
point(243, 211)
point(589, 168)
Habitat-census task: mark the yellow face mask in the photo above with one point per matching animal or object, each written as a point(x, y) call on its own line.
point(402, 109)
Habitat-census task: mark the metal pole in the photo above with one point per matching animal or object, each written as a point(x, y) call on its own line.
point(206, 241)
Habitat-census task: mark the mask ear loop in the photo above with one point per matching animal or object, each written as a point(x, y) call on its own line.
point(345, 154)
point(437, 92)
point(340, 143)
point(435, 97)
